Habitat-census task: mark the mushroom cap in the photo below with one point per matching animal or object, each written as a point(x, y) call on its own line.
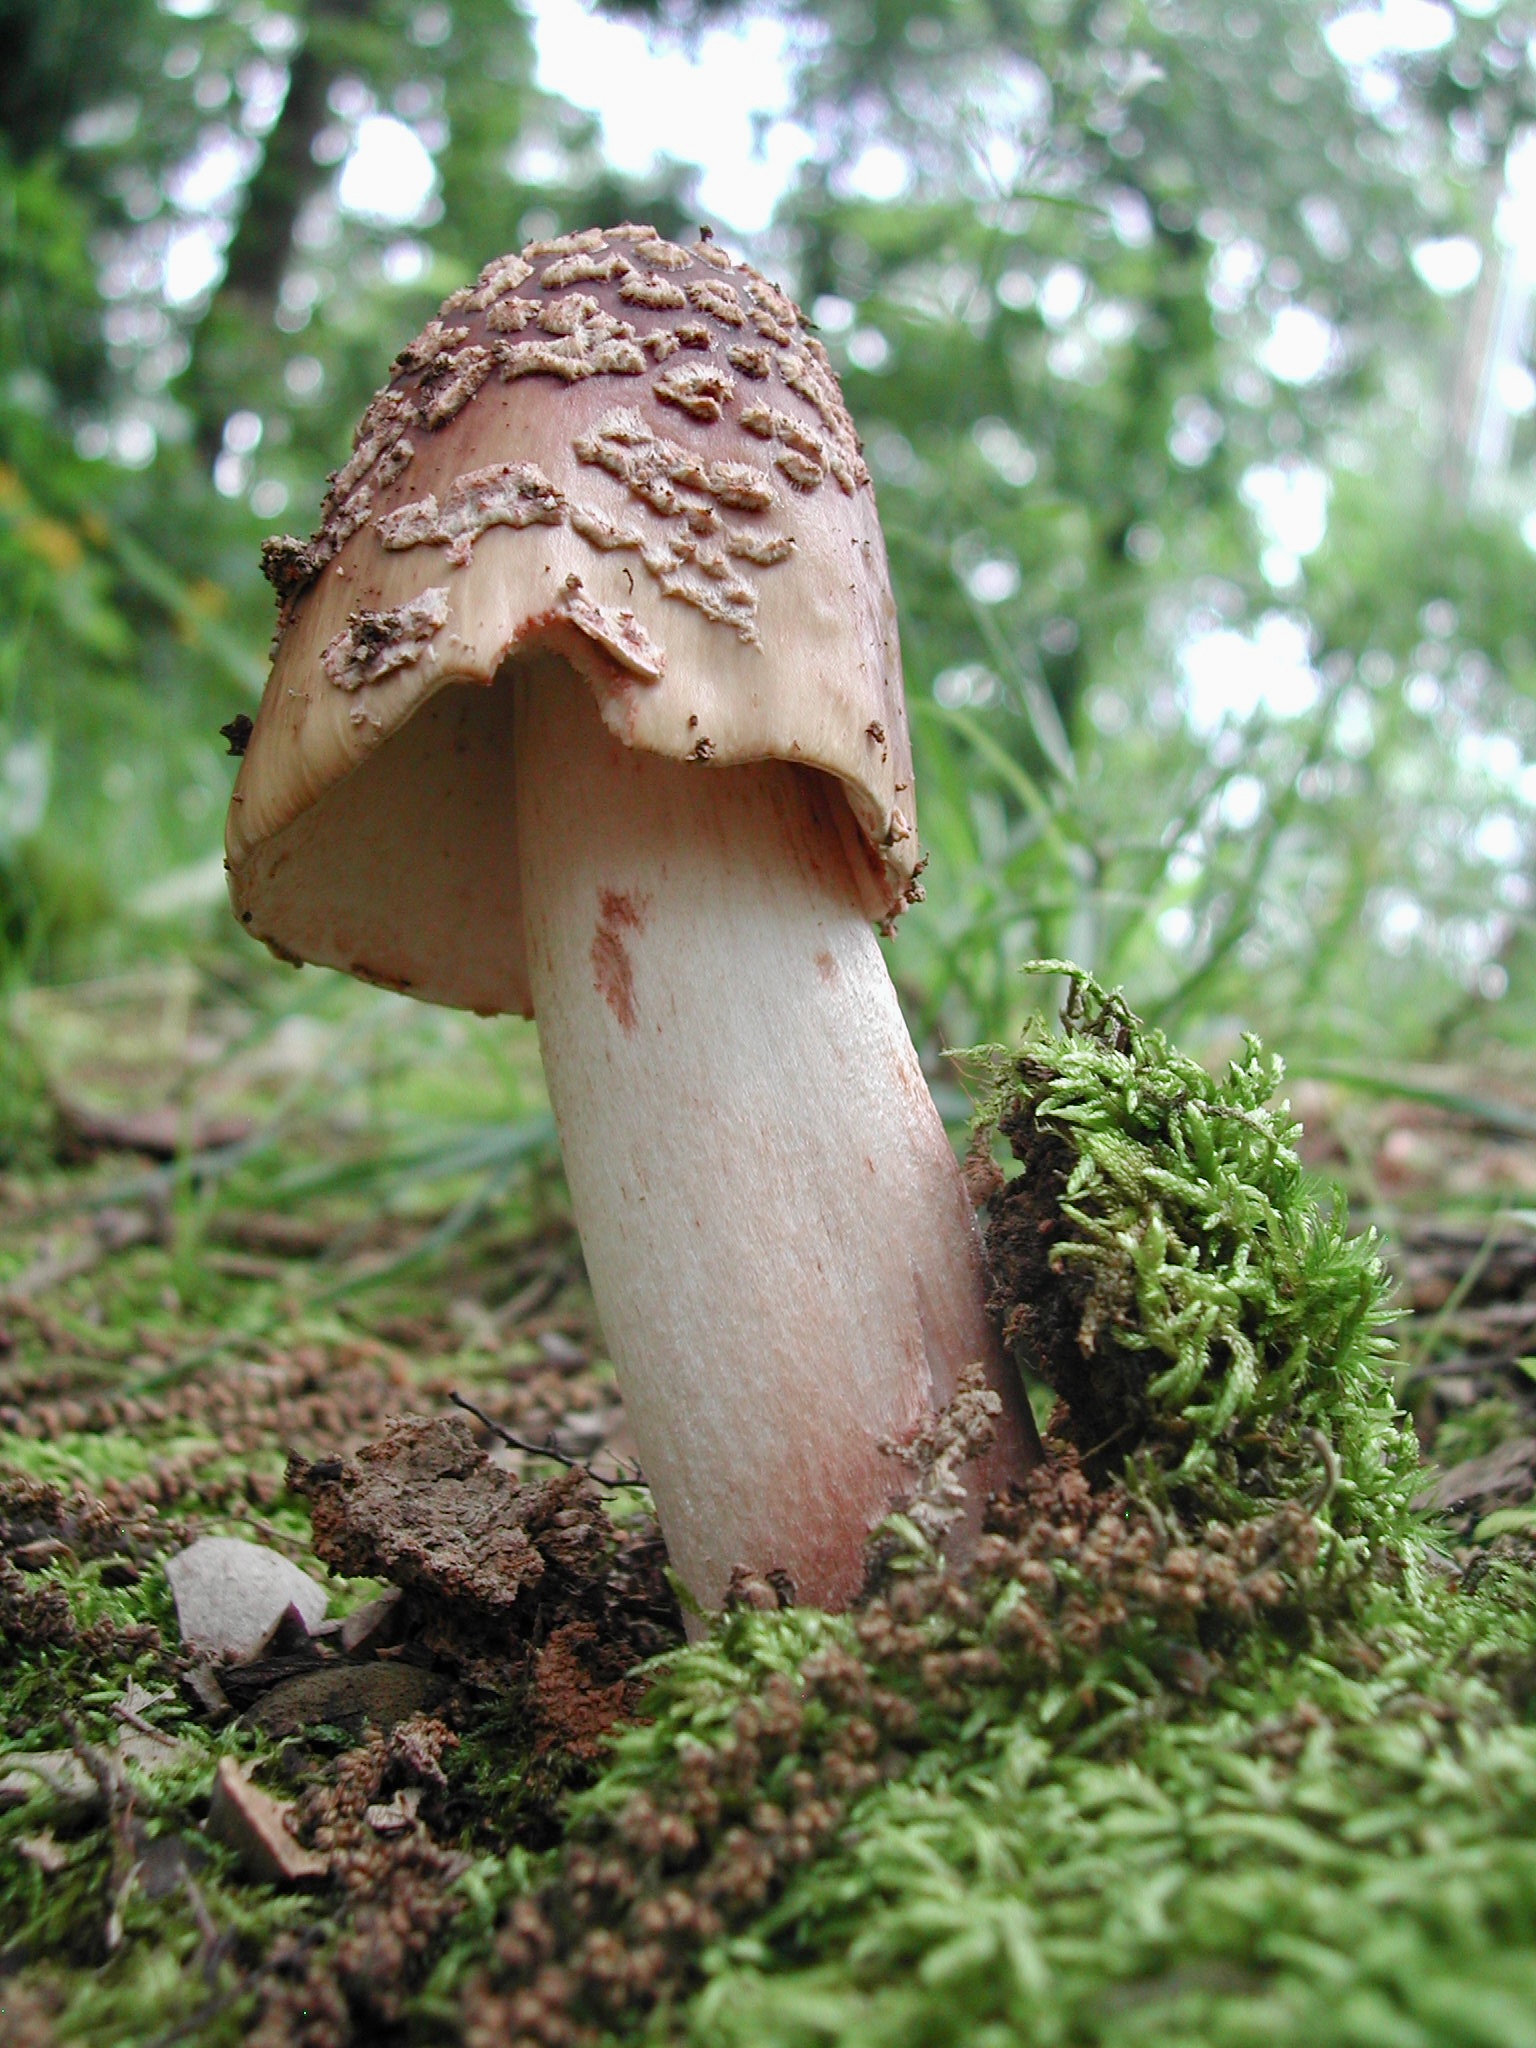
point(616, 447)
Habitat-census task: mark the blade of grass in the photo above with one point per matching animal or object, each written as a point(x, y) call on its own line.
point(1011, 773)
point(1039, 706)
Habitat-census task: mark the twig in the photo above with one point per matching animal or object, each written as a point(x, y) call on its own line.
point(1098, 1448)
point(547, 1449)
point(1329, 1483)
point(529, 1299)
point(213, 1944)
point(126, 1713)
point(117, 1797)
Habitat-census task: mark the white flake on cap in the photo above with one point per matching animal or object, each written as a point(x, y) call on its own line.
point(373, 645)
point(504, 494)
point(585, 270)
point(503, 274)
point(803, 455)
point(603, 533)
point(618, 633)
point(434, 340)
point(712, 295)
point(763, 548)
point(756, 363)
point(651, 465)
point(665, 255)
point(806, 371)
point(645, 288)
point(389, 414)
point(511, 314)
point(582, 244)
point(587, 343)
point(444, 396)
point(693, 566)
point(576, 309)
point(701, 575)
point(696, 389)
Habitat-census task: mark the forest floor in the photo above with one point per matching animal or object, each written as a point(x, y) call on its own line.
point(218, 1254)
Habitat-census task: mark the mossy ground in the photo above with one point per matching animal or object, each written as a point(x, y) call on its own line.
point(1223, 1744)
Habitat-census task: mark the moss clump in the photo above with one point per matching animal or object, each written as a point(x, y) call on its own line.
point(393, 1898)
point(1164, 1261)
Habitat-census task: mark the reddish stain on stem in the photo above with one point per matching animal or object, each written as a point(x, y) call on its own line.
point(613, 974)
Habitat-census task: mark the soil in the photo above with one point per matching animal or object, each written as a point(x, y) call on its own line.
point(1038, 1307)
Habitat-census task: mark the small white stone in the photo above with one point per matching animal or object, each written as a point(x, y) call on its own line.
point(231, 1595)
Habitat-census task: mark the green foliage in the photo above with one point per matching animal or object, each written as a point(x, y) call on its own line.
point(1219, 1326)
point(134, 617)
point(1056, 338)
point(1057, 347)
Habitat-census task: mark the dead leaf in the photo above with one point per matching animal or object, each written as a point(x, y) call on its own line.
point(346, 1696)
point(65, 1777)
point(205, 1693)
point(56, 1771)
point(160, 1133)
point(1507, 1469)
point(231, 1597)
point(254, 1825)
point(376, 1624)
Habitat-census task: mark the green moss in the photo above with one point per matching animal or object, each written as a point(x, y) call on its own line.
point(1331, 1848)
point(1165, 1262)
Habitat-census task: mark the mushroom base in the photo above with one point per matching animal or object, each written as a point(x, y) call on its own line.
point(779, 1242)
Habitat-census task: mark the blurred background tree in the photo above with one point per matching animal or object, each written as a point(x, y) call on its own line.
point(1188, 343)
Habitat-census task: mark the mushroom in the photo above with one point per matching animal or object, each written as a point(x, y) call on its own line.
point(586, 705)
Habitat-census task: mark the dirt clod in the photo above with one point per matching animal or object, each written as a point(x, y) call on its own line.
point(1039, 1311)
point(505, 1583)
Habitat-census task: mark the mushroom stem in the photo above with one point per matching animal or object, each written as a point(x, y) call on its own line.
point(778, 1239)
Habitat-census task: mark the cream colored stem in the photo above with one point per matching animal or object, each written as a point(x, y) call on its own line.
point(779, 1244)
